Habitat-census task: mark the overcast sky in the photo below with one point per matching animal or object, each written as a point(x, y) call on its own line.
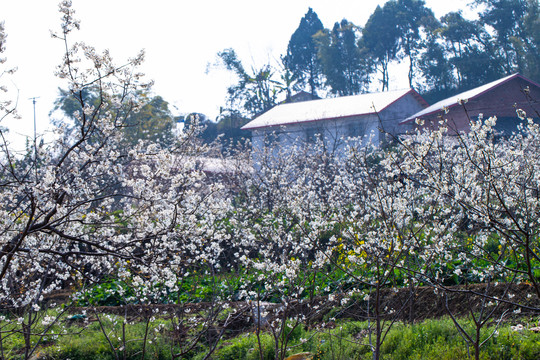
point(181, 38)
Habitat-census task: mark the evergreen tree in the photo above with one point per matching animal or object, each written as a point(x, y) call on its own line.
point(302, 58)
point(437, 71)
point(152, 122)
point(516, 28)
point(412, 17)
point(394, 32)
point(144, 117)
point(380, 38)
point(470, 51)
point(345, 68)
point(462, 53)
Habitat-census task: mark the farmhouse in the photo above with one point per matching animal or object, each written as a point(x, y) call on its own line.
point(334, 120)
point(500, 98)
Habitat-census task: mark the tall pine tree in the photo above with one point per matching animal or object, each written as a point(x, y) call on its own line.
point(302, 59)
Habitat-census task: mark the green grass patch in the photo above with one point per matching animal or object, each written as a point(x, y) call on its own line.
point(431, 339)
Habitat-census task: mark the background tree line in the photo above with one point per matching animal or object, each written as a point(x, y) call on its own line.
point(445, 56)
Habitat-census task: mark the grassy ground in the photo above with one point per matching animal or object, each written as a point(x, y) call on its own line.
point(162, 331)
point(343, 339)
point(431, 339)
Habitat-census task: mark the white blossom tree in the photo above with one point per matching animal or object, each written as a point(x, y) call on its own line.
point(488, 186)
point(85, 207)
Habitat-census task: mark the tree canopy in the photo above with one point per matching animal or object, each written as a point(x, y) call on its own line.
point(412, 18)
point(345, 65)
point(302, 57)
point(516, 27)
point(380, 37)
point(144, 116)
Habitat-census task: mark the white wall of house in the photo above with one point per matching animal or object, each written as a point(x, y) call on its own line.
point(397, 112)
point(335, 135)
point(336, 132)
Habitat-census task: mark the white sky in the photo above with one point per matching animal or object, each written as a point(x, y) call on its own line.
point(180, 38)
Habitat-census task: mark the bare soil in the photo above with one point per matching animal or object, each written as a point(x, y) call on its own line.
point(404, 304)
